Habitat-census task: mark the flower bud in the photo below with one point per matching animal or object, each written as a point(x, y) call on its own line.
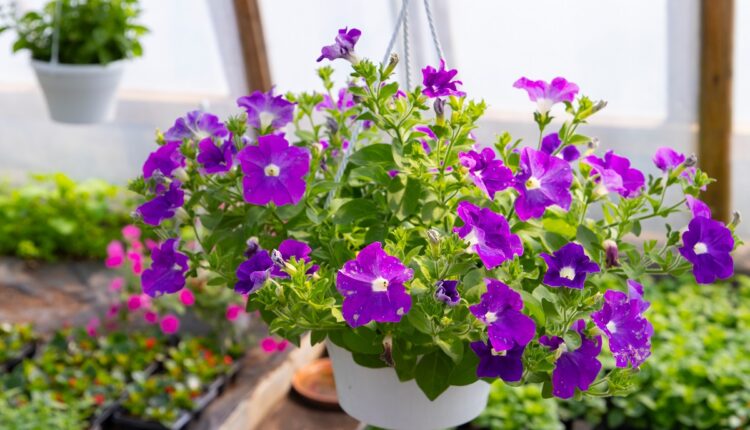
point(736, 219)
point(252, 247)
point(433, 236)
point(611, 253)
point(392, 62)
point(332, 125)
point(601, 104)
point(439, 107)
point(690, 161)
point(592, 145)
point(387, 355)
point(181, 174)
point(277, 258)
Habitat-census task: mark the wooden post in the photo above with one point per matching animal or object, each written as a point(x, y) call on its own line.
point(715, 99)
point(250, 29)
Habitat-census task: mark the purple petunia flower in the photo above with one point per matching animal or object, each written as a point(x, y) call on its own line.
point(198, 125)
point(551, 342)
point(548, 94)
point(506, 365)
point(373, 287)
point(293, 248)
point(621, 319)
point(438, 83)
point(489, 174)
point(488, 234)
point(568, 266)
point(541, 181)
point(707, 244)
point(165, 160)
point(164, 205)
point(500, 309)
point(570, 153)
point(252, 273)
point(667, 159)
point(552, 142)
point(577, 369)
point(344, 101)
point(343, 47)
point(616, 175)
point(447, 292)
point(697, 207)
point(216, 159)
point(265, 109)
point(274, 171)
point(167, 272)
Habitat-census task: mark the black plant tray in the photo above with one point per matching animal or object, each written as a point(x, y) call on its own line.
point(104, 417)
point(27, 351)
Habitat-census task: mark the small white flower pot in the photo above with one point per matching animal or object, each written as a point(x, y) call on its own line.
point(376, 397)
point(79, 93)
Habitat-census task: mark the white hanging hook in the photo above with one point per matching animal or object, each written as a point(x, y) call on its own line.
point(433, 30)
point(55, 54)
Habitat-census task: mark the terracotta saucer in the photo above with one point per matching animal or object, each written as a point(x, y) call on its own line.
point(315, 383)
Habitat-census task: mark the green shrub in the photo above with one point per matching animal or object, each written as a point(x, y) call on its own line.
point(519, 408)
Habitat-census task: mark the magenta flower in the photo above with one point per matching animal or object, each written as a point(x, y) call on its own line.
point(568, 266)
point(697, 207)
point(489, 174)
point(446, 291)
point(134, 302)
point(506, 365)
point(488, 234)
point(116, 284)
point(253, 273)
point(131, 233)
point(373, 287)
point(343, 47)
point(270, 345)
point(615, 174)
point(91, 327)
point(136, 262)
point(344, 102)
point(115, 254)
point(164, 205)
point(196, 125)
point(274, 171)
point(546, 94)
point(438, 83)
point(187, 297)
point(150, 317)
point(707, 244)
point(233, 311)
point(167, 272)
point(579, 368)
point(500, 309)
point(541, 181)
point(170, 324)
point(216, 159)
point(289, 249)
point(164, 160)
point(266, 110)
point(621, 319)
point(667, 159)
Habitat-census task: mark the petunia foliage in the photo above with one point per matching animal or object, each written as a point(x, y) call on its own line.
point(370, 215)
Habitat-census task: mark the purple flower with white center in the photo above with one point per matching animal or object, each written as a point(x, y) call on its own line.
point(253, 273)
point(196, 125)
point(373, 287)
point(274, 171)
point(163, 206)
point(266, 110)
point(167, 272)
point(447, 292)
point(621, 319)
point(579, 368)
point(707, 244)
point(506, 365)
point(568, 266)
point(289, 249)
point(542, 181)
point(546, 94)
point(500, 309)
point(428, 131)
point(488, 234)
point(697, 207)
point(438, 83)
point(667, 159)
point(344, 102)
point(489, 174)
point(615, 174)
point(216, 159)
point(165, 160)
point(343, 47)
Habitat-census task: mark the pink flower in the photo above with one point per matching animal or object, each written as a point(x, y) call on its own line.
point(270, 345)
point(115, 254)
point(136, 246)
point(91, 326)
point(151, 245)
point(170, 324)
point(113, 310)
point(134, 303)
point(137, 262)
point(187, 297)
point(116, 284)
point(131, 233)
point(151, 317)
point(233, 311)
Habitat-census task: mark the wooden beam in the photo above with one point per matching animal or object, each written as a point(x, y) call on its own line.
point(250, 29)
point(715, 102)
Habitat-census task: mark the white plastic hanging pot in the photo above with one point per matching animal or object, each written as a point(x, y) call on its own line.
point(376, 397)
point(79, 93)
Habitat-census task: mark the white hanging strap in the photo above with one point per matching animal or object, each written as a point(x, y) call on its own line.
point(55, 54)
point(433, 30)
point(407, 47)
point(392, 41)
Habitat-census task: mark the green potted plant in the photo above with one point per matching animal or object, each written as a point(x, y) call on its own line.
point(78, 52)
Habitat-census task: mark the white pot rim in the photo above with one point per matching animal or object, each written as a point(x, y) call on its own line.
point(46, 66)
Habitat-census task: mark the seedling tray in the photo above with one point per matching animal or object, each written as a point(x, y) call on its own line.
point(27, 351)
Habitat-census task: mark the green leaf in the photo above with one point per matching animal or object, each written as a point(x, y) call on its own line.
point(588, 238)
point(465, 372)
point(452, 346)
point(355, 210)
point(375, 153)
point(317, 336)
point(572, 340)
point(431, 374)
point(362, 340)
point(534, 306)
point(405, 360)
point(388, 90)
point(369, 360)
point(419, 320)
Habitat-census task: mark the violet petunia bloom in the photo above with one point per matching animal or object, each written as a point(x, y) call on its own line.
point(216, 159)
point(551, 342)
point(344, 102)
point(196, 125)
point(552, 142)
point(621, 319)
point(548, 94)
point(507, 366)
point(707, 244)
point(488, 234)
point(500, 309)
point(438, 82)
point(666, 159)
point(165, 160)
point(568, 267)
point(265, 109)
point(489, 175)
point(542, 181)
point(579, 368)
point(447, 292)
point(697, 207)
point(253, 273)
point(163, 206)
point(293, 248)
point(343, 47)
point(615, 174)
point(167, 272)
point(373, 287)
point(274, 171)
point(570, 153)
